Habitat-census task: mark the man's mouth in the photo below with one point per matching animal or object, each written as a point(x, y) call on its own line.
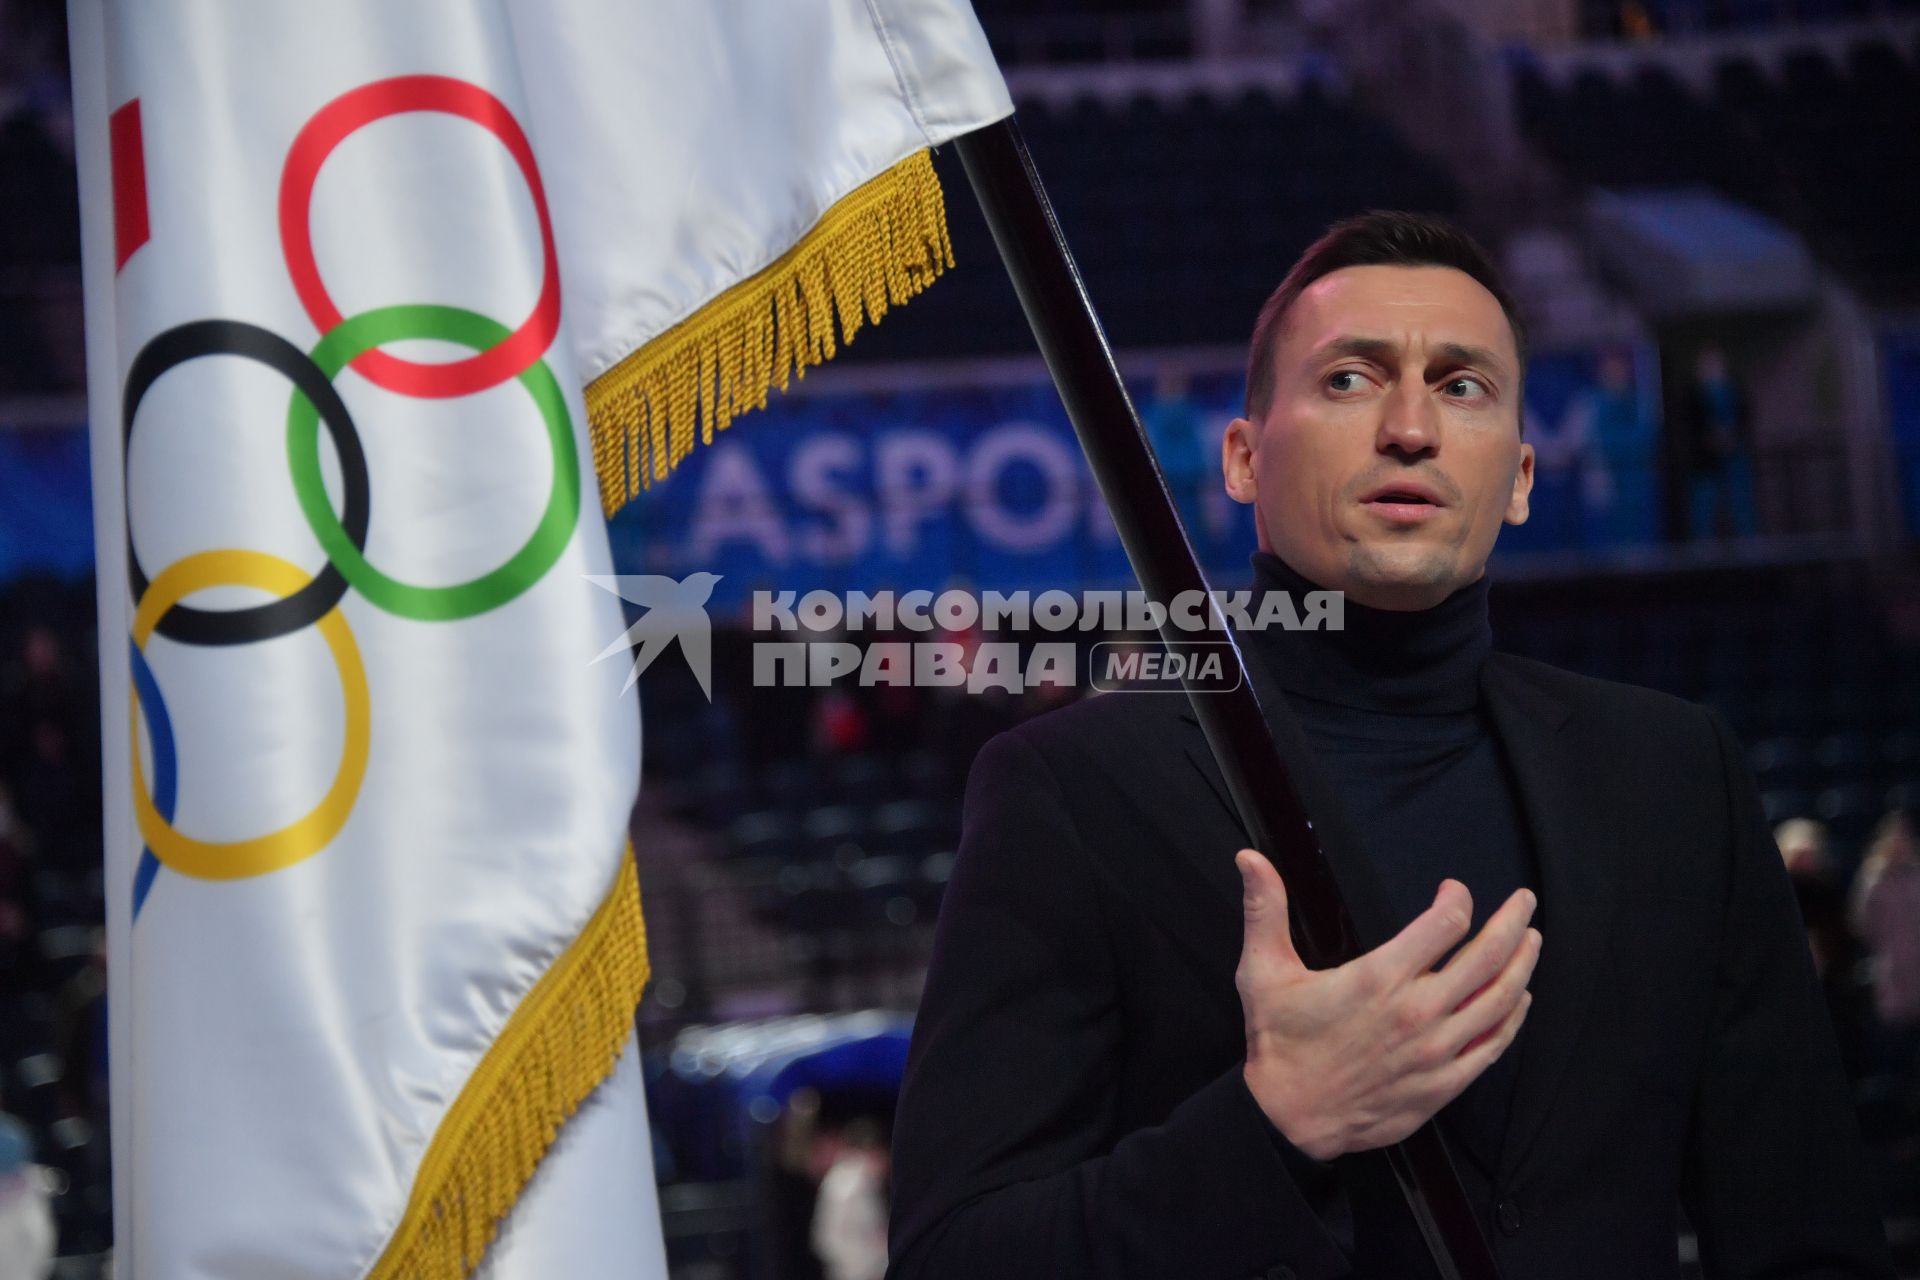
point(1403, 504)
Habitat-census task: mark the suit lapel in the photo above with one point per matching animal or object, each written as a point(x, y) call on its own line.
point(1367, 903)
point(1568, 822)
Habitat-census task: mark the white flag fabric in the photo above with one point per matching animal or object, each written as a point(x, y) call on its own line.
point(380, 297)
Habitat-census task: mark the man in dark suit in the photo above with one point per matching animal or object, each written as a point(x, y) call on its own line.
point(1122, 1069)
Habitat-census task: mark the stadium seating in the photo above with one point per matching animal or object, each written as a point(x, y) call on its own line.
point(1182, 239)
point(1829, 147)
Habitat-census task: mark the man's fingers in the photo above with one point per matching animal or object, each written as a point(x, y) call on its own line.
point(1263, 900)
point(1485, 1050)
point(1482, 960)
point(1487, 1011)
point(1431, 934)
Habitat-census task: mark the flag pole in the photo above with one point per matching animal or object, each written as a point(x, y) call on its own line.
point(1071, 340)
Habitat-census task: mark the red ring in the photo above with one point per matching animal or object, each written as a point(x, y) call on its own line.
point(328, 128)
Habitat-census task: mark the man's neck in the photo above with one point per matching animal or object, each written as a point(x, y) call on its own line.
point(1411, 661)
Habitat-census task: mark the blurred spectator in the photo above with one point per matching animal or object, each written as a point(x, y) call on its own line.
point(1633, 21)
point(1836, 952)
point(850, 1221)
point(26, 1220)
point(1619, 494)
point(1602, 457)
point(793, 1191)
point(1803, 847)
point(1714, 450)
point(1886, 912)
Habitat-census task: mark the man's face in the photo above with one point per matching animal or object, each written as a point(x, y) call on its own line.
point(1391, 453)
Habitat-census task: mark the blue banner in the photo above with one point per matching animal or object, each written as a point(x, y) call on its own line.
point(46, 503)
point(984, 488)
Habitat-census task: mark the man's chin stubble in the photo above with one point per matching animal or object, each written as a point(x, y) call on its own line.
point(1394, 570)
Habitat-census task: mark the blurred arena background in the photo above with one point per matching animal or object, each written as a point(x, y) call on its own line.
point(1708, 210)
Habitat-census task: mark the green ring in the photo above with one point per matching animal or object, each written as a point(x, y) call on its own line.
point(370, 329)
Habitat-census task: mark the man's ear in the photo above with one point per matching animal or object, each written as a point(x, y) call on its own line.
point(1517, 502)
point(1236, 460)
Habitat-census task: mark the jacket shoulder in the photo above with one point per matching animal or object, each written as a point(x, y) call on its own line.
point(1103, 723)
point(1122, 738)
point(1611, 700)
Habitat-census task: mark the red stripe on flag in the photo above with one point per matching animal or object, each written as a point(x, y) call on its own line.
point(129, 182)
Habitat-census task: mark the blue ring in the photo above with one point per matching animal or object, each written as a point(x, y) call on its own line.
point(166, 779)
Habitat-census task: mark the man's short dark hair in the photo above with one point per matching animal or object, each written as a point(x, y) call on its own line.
point(1375, 238)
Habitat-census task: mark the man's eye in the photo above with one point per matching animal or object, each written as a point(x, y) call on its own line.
point(1466, 387)
point(1345, 380)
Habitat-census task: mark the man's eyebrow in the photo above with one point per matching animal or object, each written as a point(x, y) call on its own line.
point(1378, 350)
point(1383, 351)
point(1459, 353)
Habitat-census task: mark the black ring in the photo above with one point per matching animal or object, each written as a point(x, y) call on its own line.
point(250, 342)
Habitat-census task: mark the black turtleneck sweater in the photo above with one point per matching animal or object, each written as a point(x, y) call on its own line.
point(1391, 708)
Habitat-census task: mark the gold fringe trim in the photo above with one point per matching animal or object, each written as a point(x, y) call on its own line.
point(557, 1047)
point(878, 246)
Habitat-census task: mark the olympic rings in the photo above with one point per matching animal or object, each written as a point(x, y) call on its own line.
point(328, 128)
point(234, 859)
point(549, 539)
point(314, 600)
point(311, 387)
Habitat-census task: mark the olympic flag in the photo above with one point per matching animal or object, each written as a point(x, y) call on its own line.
point(379, 296)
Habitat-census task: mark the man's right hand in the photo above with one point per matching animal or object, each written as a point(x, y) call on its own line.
point(1359, 1056)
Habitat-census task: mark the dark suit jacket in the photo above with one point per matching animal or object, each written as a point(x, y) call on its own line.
point(1074, 1104)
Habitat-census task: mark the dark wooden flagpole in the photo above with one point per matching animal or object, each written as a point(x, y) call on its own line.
point(1070, 337)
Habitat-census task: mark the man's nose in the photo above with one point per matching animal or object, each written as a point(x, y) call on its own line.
point(1409, 422)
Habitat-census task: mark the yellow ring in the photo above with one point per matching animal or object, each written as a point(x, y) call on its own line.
point(237, 859)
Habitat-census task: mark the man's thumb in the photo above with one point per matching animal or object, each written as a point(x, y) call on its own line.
point(1263, 900)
